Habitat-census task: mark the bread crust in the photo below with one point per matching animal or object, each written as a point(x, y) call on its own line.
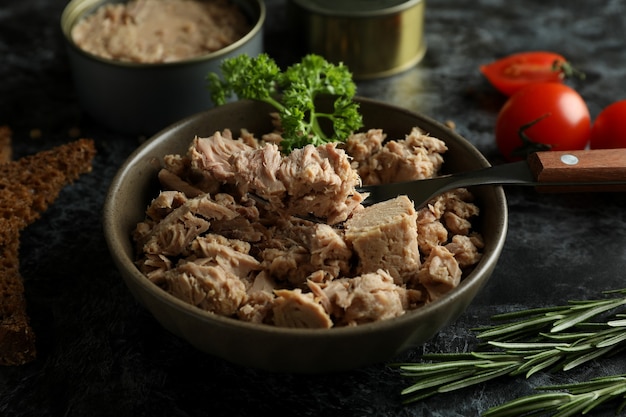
point(6, 148)
point(27, 188)
point(17, 340)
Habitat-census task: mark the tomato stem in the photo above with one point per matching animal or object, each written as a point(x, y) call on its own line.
point(528, 145)
point(567, 69)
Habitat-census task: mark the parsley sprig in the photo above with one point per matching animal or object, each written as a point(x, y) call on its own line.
point(293, 94)
point(531, 341)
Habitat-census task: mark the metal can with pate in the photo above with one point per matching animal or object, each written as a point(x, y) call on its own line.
point(374, 38)
point(143, 98)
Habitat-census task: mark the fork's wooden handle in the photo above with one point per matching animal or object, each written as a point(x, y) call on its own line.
point(579, 166)
point(601, 165)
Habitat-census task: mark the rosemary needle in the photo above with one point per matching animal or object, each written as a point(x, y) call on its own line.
point(533, 340)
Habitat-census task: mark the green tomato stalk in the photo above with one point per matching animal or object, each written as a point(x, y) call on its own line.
point(293, 94)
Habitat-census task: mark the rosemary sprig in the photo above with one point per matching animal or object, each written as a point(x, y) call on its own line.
point(532, 322)
point(546, 339)
point(573, 399)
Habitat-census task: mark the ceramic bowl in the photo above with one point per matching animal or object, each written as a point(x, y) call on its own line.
point(285, 349)
point(142, 98)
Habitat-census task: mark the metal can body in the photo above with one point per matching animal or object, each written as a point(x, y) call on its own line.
point(143, 98)
point(374, 38)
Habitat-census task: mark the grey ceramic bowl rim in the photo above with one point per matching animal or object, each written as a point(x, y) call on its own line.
point(68, 22)
point(122, 261)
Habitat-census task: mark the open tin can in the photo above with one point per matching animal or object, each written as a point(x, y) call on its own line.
point(374, 38)
point(143, 98)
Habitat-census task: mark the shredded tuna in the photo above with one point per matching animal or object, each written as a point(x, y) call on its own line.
point(232, 230)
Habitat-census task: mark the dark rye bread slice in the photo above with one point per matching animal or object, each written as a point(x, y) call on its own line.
point(27, 187)
point(6, 150)
point(44, 174)
point(17, 339)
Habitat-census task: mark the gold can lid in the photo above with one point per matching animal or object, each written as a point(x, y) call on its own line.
point(356, 8)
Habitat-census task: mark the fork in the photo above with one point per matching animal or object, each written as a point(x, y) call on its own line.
point(588, 170)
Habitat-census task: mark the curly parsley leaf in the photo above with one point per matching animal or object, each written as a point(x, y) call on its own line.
point(293, 94)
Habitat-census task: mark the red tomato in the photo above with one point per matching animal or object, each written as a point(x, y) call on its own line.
point(609, 128)
point(516, 71)
point(556, 117)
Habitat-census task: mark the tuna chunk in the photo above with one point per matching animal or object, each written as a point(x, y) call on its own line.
point(466, 249)
point(298, 249)
point(212, 155)
point(384, 236)
point(171, 181)
point(440, 272)
point(256, 170)
point(154, 266)
point(207, 286)
point(320, 181)
point(455, 224)
point(177, 168)
point(362, 146)
point(210, 209)
point(244, 208)
point(329, 251)
point(164, 204)
point(417, 156)
point(288, 265)
point(430, 231)
point(460, 202)
point(174, 233)
point(364, 299)
point(293, 308)
point(230, 254)
point(246, 226)
point(258, 306)
point(447, 215)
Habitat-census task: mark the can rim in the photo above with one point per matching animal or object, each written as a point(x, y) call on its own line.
point(356, 8)
point(76, 9)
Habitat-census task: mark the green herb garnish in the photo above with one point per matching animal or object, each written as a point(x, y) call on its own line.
point(570, 400)
point(531, 341)
point(293, 93)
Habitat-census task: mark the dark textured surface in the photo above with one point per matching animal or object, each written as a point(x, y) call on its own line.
point(100, 354)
